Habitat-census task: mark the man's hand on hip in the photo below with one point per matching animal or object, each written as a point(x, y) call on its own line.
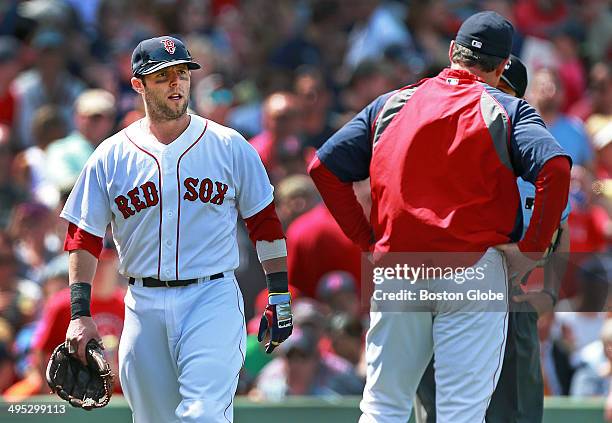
point(518, 263)
point(80, 332)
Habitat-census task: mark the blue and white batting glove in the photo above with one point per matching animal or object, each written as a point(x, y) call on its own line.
point(276, 319)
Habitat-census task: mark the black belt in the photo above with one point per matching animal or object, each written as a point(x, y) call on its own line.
point(156, 283)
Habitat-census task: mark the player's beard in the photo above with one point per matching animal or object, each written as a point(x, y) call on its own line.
point(158, 109)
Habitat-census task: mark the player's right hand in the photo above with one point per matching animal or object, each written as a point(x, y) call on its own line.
point(80, 332)
point(276, 319)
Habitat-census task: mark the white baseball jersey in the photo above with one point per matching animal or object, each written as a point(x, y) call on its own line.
point(173, 208)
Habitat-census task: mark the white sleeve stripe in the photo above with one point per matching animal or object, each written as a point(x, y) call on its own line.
point(267, 250)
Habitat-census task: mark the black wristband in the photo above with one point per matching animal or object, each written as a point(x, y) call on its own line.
point(80, 298)
point(278, 283)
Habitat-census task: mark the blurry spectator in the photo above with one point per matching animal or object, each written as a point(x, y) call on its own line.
point(87, 13)
point(278, 145)
point(10, 194)
point(136, 113)
point(213, 99)
point(594, 375)
point(55, 276)
point(111, 28)
point(246, 115)
point(338, 292)
point(597, 101)
point(316, 44)
point(429, 22)
point(9, 68)
point(295, 195)
point(107, 310)
point(31, 165)
point(378, 25)
point(539, 17)
point(94, 119)
point(546, 95)
point(301, 370)
point(315, 97)
point(405, 66)
point(566, 40)
point(18, 297)
point(29, 226)
point(315, 246)
point(366, 82)
point(602, 141)
point(307, 315)
point(346, 334)
point(556, 368)
point(7, 373)
point(48, 13)
point(121, 59)
point(581, 318)
point(596, 18)
point(47, 83)
point(588, 222)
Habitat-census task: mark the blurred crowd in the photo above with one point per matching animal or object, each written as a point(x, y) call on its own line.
point(286, 74)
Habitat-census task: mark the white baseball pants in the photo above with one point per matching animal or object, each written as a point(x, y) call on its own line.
point(468, 348)
point(181, 351)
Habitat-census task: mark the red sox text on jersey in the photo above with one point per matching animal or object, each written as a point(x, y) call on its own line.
point(147, 195)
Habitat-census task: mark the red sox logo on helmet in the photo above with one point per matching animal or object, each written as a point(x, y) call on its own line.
point(168, 45)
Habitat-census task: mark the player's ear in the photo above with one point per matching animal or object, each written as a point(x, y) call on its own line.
point(500, 69)
point(137, 85)
point(450, 51)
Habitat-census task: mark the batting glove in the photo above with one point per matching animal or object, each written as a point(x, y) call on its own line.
point(277, 320)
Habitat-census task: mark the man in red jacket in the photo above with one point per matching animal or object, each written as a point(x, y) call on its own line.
point(443, 156)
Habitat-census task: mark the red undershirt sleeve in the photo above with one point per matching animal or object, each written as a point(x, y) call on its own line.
point(265, 225)
point(552, 187)
point(341, 201)
point(80, 239)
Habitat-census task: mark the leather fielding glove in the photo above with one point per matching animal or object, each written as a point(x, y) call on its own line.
point(83, 386)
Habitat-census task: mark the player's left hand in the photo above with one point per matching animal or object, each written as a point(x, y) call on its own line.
point(540, 301)
point(277, 320)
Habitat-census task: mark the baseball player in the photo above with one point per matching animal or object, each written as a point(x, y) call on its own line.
point(443, 156)
point(172, 185)
point(519, 395)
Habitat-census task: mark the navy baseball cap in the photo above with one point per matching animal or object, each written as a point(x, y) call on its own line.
point(515, 75)
point(487, 33)
point(158, 53)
